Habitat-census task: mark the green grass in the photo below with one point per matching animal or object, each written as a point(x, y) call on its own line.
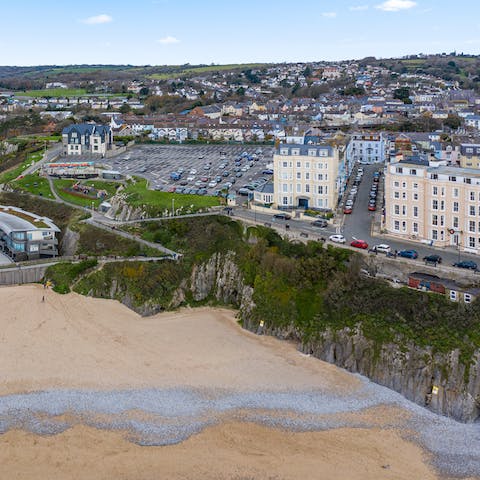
point(160, 203)
point(33, 184)
point(53, 92)
point(12, 174)
point(62, 275)
point(109, 187)
point(61, 184)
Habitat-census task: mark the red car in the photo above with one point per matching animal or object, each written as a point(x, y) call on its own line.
point(347, 210)
point(359, 244)
point(372, 207)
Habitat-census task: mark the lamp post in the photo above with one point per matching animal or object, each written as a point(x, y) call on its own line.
point(173, 207)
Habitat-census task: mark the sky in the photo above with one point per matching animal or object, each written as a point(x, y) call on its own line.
point(174, 32)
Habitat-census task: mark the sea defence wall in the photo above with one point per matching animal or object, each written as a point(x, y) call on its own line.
point(23, 274)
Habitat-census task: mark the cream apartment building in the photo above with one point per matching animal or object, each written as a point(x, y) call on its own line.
point(437, 205)
point(307, 176)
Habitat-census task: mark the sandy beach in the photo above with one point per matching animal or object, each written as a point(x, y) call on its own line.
point(89, 389)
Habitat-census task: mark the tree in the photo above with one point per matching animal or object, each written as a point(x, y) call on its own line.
point(453, 121)
point(240, 91)
point(125, 108)
point(402, 93)
point(144, 91)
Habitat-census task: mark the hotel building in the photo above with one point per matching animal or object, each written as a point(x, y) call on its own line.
point(437, 205)
point(308, 176)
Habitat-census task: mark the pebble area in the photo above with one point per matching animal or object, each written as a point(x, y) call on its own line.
point(168, 416)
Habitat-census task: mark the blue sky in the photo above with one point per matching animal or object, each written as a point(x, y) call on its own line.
point(158, 32)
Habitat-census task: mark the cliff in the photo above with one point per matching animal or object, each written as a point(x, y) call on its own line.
point(443, 382)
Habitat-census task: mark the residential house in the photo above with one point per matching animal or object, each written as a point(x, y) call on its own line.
point(86, 138)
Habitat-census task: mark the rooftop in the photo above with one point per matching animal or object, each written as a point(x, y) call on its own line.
point(13, 219)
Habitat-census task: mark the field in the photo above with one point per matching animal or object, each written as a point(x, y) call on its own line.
point(157, 203)
point(35, 185)
point(53, 92)
point(61, 184)
point(10, 175)
point(203, 69)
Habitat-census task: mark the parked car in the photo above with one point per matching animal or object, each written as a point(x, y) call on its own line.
point(359, 244)
point(282, 216)
point(193, 171)
point(337, 238)
point(267, 171)
point(347, 210)
point(382, 248)
point(432, 259)
point(469, 264)
point(372, 207)
point(320, 222)
point(408, 254)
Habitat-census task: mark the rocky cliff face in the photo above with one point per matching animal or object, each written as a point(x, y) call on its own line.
point(438, 381)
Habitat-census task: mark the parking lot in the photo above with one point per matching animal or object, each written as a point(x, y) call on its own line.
point(198, 169)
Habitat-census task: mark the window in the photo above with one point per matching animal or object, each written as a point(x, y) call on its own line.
point(455, 206)
point(295, 151)
point(323, 153)
point(472, 210)
point(312, 153)
point(435, 204)
point(453, 295)
point(455, 192)
point(452, 179)
point(396, 194)
point(325, 190)
point(413, 171)
point(284, 164)
point(434, 234)
point(299, 164)
point(442, 192)
point(307, 164)
point(307, 188)
point(404, 209)
point(442, 220)
point(396, 184)
point(299, 175)
point(468, 180)
point(284, 151)
point(320, 190)
point(285, 200)
point(404, 226)
point(396, 225)
point(320, 176)
point(320, 165)
point(435, 190)
point(404, 185)
point(471, 242)
point(299, 188)
point(415, 185)
point(399, 170)
point(471, 226)
point(434, 176)
point(285, 187)
point(434, 219)
point(415, 227)
point(307, 176)
point(472, 196)
point(404, 195)
point(455, 222)
point(415, 196)
point(442, 204)
point(467, 298)
point(397, 209)
point(415, 211)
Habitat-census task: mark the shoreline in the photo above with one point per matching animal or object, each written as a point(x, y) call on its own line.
point(78, 370)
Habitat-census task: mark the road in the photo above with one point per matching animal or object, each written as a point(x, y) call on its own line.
point(49, 156)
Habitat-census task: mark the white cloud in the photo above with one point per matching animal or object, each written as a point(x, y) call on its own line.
point(168, 40)
point(329, 14)
point(358, 8)
point(396, 5)
point(98, 19)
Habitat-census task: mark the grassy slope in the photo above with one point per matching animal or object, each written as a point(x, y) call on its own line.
point(53, 92)
point(156, 203)
point(13, 173)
